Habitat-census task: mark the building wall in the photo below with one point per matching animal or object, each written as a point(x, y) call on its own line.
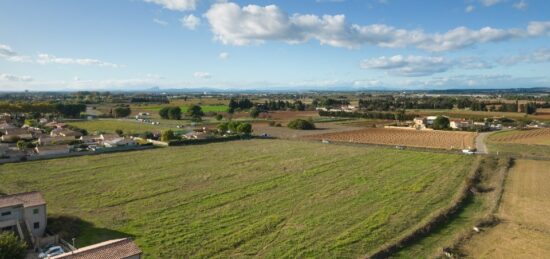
point(10, 220)
point(39, 217)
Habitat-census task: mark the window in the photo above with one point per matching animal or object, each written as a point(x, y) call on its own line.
point(36, 225)
point(6, 213)
point(35, 211)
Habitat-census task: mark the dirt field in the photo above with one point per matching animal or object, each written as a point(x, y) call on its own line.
point(525, 230)
point(530, 137)
point(412, 138)
point(286, 133)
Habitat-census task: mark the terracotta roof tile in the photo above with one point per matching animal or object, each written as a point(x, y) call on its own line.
point(27, 199)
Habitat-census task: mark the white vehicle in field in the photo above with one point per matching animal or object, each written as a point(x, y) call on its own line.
point(469, 151)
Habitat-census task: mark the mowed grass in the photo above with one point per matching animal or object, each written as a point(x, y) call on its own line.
point(263, 198)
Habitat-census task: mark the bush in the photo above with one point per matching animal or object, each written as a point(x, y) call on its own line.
point(121, 112)
point(11, 247)
point(301, 124)
point(167, 136)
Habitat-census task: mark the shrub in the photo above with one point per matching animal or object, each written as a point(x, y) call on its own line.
point(11, 247)
point(301, 124)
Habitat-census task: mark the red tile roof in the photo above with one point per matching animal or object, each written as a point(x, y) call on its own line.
point(27, 199)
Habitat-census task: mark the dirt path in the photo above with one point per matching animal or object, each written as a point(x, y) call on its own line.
point(525, 209)
point(480, 142)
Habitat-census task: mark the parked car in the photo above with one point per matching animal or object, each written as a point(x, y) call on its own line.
point(52, 251)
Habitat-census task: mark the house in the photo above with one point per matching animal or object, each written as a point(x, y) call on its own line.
point(196, 135)
point(459, 124)
point(24, 214)
point(119, 142)
point(14, 134)
point(4, 149)
point(123, 248)
point(48, 140)
point(90, 140)
point(64, 132)
point(55, 124)
point(5, 126)
point(52, 150)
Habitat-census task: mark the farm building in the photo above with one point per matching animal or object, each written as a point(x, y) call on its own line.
point(123, 248)
point(52, 150)
point(24, 214)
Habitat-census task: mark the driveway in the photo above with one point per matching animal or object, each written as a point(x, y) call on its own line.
point(480, 142)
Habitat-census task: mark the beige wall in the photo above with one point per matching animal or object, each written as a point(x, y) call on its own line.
point(40, 217)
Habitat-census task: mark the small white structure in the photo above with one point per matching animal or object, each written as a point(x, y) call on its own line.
point(119, 142)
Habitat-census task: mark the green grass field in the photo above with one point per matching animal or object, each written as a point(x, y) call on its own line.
point(263, 198)
point(110, 125)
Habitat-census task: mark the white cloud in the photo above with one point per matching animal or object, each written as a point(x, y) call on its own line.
point(8, 54)
point(413, 66)
point(50, 59)
point(14, 78)
point(469, 8)
point(160, 22)
point(538, 56)
point(223, 55)
point(253, 24)
point(202, 75)
point(409, 65)
point(490, 2)
point(190, 21)
point(176, 5)
point(521, 5)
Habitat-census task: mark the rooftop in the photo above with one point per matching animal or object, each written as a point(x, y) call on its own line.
point(112, 249)
point(27, 199)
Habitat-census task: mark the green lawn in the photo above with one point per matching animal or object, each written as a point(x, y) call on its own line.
point(263, 198)
point(111, 125)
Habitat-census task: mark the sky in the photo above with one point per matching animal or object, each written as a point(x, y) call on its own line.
point(272, 45)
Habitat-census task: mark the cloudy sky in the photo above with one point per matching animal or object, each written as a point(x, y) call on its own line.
point(259, 44)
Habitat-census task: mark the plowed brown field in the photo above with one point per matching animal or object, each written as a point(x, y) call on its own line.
point(532, 136)
point(404, 137)
point(525, 228)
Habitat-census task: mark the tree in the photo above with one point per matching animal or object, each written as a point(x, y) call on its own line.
point(219, 117)
point(119, 132)
point(223, 128)
point(121, 112)
point(11, 247)
point(245, 128)
point(167, 136)
point(441, 123)
point(174, 113)
point(164, 112)
point(232, 106)
point(254, 113)
point(301, 124)
point(195, 112)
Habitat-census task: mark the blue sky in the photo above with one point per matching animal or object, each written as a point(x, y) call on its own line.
point(306, 44)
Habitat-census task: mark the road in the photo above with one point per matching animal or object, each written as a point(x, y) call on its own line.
point(480, 142)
